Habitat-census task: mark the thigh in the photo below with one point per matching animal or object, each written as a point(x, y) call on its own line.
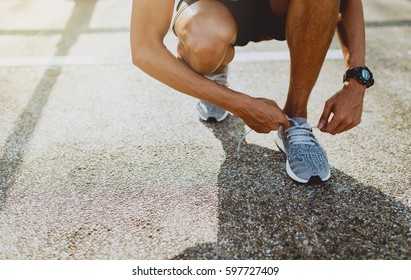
point(203, 19)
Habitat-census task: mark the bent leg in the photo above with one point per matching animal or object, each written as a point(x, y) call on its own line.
point(310, 29)
point(206, 31)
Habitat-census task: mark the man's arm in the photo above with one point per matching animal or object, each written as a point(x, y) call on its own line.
point(149, 25)
point(347, 104)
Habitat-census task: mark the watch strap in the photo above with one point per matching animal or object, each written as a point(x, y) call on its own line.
point(357, 73)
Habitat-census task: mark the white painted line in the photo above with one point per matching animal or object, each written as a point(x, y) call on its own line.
point(409, 52)
point(46, 61)
point(277, 56)
point(92, 60)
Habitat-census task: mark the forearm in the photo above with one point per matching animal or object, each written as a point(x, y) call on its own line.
point(351, 33)
point(158, 62)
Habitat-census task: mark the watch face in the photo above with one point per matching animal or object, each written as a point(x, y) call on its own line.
point(365, 74)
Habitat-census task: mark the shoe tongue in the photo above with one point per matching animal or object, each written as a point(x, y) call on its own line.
point(298, 120)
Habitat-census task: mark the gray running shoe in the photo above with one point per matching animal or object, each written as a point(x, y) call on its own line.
point(208, 111)
point(305, 157)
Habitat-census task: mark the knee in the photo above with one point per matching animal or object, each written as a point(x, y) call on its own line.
point(204, 48)
point(205, 54)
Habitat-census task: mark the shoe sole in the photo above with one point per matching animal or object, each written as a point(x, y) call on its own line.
point(213, 118)
point(280, 145)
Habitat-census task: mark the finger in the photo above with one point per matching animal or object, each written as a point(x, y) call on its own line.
point(341, 128)
point(285, 122)
point(328, 108)
point(357, 119)
point(350, 126)
point(332, 125)
point(347, 123)
point(354, 124)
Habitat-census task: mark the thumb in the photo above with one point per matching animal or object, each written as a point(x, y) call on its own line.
point(285, 122)
point(325, 116)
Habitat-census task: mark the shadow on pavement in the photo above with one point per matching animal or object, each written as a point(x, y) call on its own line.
point(264, 215)
point(16, 144)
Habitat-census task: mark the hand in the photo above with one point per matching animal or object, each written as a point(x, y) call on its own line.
point(346, 105)
point(263, 115)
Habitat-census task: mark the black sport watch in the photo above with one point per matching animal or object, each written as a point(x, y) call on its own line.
point(362, 74)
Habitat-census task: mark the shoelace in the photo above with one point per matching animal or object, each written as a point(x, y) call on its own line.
point(300, 134)
point(239, 143)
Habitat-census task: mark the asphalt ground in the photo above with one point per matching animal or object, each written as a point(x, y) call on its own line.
point(100, 161)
